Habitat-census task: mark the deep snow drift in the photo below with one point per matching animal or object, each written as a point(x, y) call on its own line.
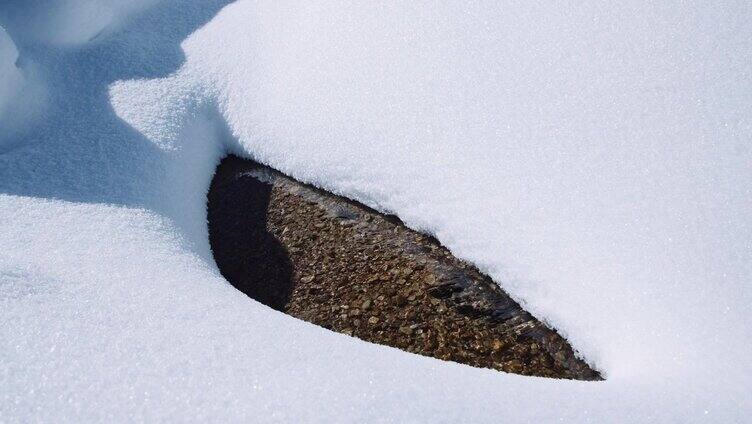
point(594, 159)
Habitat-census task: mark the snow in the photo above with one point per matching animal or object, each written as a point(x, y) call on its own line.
point(10, 76)
point(10, 80)
point(68, 22)
point(22, 96)
point(595, 159)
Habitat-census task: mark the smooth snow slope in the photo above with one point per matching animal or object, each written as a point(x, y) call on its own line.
point(595, 159)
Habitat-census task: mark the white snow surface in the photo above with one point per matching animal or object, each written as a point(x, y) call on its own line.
point(594, 158)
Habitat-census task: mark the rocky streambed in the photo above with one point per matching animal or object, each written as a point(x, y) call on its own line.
point(348, 268)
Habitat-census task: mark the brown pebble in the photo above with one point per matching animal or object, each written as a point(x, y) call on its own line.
point(406, 330)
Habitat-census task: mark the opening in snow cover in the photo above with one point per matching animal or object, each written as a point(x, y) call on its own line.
point(348, 268)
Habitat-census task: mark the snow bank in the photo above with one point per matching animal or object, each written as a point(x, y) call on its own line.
point(10, 80)
point(10, 77)
point(22, 96)
point(67, 22)
point(594, 159)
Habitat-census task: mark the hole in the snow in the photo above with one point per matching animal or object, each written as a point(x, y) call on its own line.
point(343, 266)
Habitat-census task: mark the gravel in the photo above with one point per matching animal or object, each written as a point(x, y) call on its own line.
point(345, 267)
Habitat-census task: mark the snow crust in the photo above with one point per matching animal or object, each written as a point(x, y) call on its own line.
point(595, 159)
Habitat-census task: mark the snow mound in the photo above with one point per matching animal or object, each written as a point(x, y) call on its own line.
point(67, 22)
point(10, 80)
point(22, 97)
point(593, 158)
point(10, 76)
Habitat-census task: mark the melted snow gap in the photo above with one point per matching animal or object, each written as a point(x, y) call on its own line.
point(348, 268)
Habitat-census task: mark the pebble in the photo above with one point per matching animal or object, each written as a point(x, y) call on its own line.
point(406, 330)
